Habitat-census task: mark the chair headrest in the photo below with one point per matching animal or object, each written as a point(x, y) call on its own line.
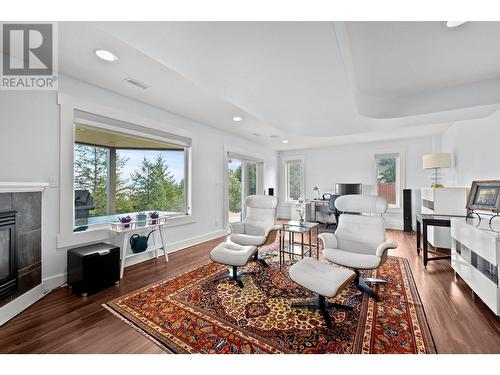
point(365, 204)
point(261, 201)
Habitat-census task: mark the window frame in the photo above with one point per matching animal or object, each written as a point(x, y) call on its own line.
point(286, 181)
point(65, 183)
point(400, 174)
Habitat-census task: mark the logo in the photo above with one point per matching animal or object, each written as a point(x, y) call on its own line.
point(29, 59)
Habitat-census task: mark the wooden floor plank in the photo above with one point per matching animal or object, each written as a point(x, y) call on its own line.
point(65, 323)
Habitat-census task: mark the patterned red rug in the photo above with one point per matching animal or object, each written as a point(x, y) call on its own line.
point(193, 314)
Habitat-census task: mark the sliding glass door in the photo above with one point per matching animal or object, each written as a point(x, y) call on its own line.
point(244, 178)
point(235, 193)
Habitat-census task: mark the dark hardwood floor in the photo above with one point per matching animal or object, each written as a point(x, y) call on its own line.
point(65, 323)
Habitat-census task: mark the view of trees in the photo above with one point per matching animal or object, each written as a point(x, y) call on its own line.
point(235, 190)
point(386, 169)
point(294, 176)
point(386, 179)
point(235, 186)
point(150, 187)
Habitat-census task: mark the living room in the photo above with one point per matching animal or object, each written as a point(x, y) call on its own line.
point(317, 186)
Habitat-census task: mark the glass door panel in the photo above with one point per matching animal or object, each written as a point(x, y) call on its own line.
point(235, 187)
point(251, 178)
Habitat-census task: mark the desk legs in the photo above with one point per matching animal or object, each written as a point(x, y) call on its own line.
point(424, 245)
point(302, 245)
point(418, 237)
point(422, 242)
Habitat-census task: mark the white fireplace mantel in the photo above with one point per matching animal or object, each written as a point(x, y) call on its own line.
point(19, 187)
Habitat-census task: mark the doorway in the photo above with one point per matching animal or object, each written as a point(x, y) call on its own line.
point(243, 178)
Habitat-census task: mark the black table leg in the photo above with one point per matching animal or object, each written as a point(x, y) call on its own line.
point(418, 237)
point(424, 245)
point(310, 242)
point(317, 242)
point(302, 244)
point(280, 249)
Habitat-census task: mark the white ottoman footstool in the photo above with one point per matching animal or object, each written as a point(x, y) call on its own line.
point(233, 255)
point(324, 279)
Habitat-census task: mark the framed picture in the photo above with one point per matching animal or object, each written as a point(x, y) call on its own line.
point(484, 195)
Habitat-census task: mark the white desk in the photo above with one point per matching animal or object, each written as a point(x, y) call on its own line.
point(475, 256)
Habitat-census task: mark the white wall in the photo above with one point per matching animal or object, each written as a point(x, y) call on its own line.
point(355, 163)
point(29, 150)
point(474, 144)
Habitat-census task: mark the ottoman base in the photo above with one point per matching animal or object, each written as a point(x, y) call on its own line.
point(234, 274)
point(323, 305)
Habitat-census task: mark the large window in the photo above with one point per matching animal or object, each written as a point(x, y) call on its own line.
point(388, 177)
point(294, 177)
point(118, 174)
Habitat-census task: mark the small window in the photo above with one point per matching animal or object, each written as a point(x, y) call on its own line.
point(388, 179)
point(119, 174)
point(294, 180)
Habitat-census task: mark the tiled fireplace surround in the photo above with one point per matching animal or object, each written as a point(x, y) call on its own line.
point(28, 239)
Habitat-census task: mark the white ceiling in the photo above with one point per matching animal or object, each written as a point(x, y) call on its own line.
point(401, 58)
point(313, 83)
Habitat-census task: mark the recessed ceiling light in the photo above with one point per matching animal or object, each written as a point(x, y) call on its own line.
point(274, 136)
point(106, 55)
point(237, 119)
point(452, 24)
point(284, 141)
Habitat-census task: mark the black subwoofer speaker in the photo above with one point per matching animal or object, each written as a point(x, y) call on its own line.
point(407, 214)
point(93, 267)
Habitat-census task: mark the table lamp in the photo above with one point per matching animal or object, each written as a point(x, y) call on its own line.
point(436, 161)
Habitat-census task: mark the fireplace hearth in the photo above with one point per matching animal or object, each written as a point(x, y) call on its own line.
point(8, 254)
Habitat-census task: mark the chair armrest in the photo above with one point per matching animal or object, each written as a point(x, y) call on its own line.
point(383, 247)
point(273, 229)
point(271, 234)
point(328, 240)
point(237, 227)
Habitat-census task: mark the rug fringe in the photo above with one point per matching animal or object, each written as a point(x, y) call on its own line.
point(138, 329)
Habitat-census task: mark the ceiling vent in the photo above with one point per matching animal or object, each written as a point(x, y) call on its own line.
point(137, 83)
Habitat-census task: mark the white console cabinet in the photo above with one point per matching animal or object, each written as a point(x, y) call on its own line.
point(475, 256)
point(443, 201)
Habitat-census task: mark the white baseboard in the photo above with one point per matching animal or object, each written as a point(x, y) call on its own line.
point(53, 282)
point(21, 303)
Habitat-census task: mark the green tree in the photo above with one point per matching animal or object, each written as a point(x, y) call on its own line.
point(294, 175)
point(154, 187)
point(386, 169)
point(91, 173)
point(235, 189)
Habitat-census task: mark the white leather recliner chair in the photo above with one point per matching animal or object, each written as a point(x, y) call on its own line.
point(359, 241)
point(259, 227)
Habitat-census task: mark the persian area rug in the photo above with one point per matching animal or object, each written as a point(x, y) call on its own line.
point(194, 314)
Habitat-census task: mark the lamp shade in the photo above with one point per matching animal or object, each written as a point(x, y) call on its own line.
point(430, 161)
